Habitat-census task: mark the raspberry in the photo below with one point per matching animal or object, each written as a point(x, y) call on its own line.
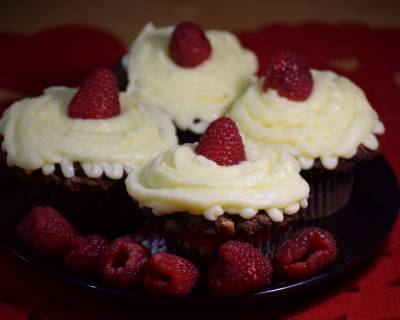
point(45, 230)
point(189, 45)
point(290, 76)
point(123, 263)
point(84, 253)
point(170, 275)
point(97, 97)
point(305, 253)
point(222, 143)
point(240, 268)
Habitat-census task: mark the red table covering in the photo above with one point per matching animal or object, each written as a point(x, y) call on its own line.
point(64, 55)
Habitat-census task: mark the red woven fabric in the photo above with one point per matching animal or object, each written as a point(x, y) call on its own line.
point(65, 55)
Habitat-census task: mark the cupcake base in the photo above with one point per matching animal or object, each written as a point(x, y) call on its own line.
point(107, 212)
point(198, 239)
point(93, 205)
point(330, 190)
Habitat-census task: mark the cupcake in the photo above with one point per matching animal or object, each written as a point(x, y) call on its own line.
point(201, 195)
point(321, 118)
point(72, 149)
point(194, 76)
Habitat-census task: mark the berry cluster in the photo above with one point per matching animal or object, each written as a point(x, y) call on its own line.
point(122, 263)
point(125, 263)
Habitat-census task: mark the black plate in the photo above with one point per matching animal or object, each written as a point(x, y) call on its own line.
point(359, 228)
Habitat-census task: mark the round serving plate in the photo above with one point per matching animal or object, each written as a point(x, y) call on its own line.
point(359, 228)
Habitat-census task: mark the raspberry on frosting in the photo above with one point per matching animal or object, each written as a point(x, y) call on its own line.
point(97, 97)
point(290, 76)
point(189, 46)
point(192, 74)
point(222, 143)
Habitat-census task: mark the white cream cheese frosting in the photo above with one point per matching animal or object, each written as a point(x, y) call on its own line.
point(179, 180)
point(330, 124)
point(192, 97)
point(38, 134)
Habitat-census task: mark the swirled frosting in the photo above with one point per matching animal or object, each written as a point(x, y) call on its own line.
point(330, 124)
point(39, 134)
point(179, 180)
point(193, 97)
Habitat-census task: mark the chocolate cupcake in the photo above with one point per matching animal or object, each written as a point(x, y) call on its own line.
point(321, 118)
point(195, 237)
point(204, 194)
point(72, 149)
point(192, 75)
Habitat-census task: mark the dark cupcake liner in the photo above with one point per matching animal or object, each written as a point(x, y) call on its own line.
point(108, 212)
point(91, 205)
point(329, 192)
point(120, 74)
point(202, 249)
point(187, 136)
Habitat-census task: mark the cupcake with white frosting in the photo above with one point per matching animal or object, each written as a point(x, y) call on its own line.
point(194, 76)
point(321, 118)
point(73, 148)
point(204, 194)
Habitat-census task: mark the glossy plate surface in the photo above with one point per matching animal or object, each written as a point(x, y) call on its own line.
point(359, 228)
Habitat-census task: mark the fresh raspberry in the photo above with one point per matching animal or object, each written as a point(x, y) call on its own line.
point(97, 97)
point(45, 230)
point(290, 76)
point(240, 268)
point(9, 312)
point(84, 253)
point(305, 253)
point(189, 45)
point(222, 143)
point(123, 263)
point(169, 274)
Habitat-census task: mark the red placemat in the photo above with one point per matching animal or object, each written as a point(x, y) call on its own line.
point(64, 55)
